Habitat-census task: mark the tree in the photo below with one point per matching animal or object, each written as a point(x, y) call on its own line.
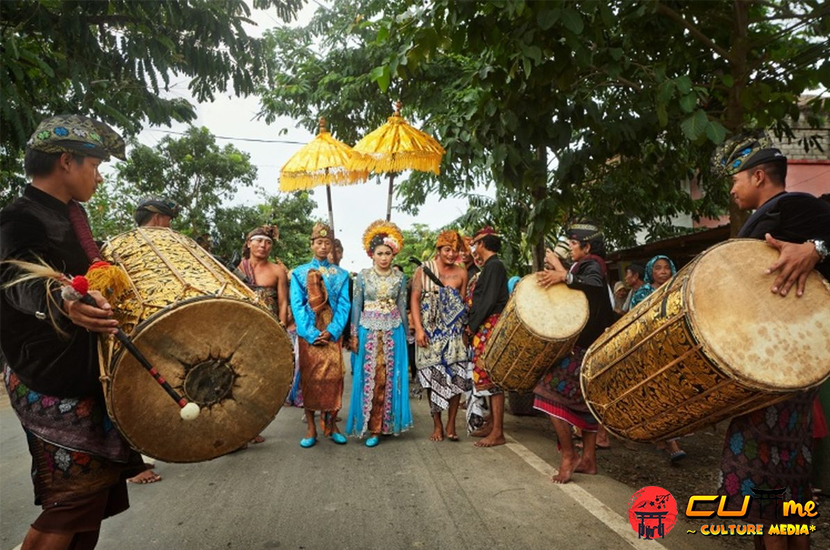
point(191, 170)
point(419, 243)
point(114, 60)
point(592, 109)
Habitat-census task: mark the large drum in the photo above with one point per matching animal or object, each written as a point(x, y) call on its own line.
point(537, 327)
point(208, 336)
point(711, 343)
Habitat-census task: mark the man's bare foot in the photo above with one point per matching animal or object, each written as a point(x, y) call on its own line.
point(258, 439)
point(491, 440)
point(147, 476)
point(585, 467)
point(566, 469)
point(483, 431)
point(450, 433)
point(437, 434)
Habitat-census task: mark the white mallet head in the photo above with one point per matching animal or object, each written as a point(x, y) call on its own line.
point(189, 411)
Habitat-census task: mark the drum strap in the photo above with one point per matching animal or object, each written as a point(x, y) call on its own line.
point(666, 297)
point(427, 271)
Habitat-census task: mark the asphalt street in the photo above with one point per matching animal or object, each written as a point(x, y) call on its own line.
point(408, 492)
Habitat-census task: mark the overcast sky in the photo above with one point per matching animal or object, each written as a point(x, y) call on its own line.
point(355, 207)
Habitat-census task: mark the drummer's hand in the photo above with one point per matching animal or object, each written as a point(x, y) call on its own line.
point(794, 264)
point(549, 278)
point(421, 338)
point(94, 319)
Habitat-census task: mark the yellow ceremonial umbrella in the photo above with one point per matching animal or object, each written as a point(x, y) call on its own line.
point(323, 161)
point(394, 147)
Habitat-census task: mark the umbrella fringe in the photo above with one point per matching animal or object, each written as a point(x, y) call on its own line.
point(308, 180)
point(400, 163)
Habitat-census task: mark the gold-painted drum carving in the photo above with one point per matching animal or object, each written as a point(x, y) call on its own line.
point(538, 327)
point(209, 337)
point(710, 344)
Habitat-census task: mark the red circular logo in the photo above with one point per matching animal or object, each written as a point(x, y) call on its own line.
point(652, 512)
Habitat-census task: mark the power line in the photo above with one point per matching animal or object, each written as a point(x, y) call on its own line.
point(236, 138)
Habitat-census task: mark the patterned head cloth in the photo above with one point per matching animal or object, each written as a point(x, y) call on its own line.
point(322, 231)
point(483, 232)
point(584, 232)
point(450, 238)
point(269, 231)
point(743, 152)
point(77, 134)
point(158, 205)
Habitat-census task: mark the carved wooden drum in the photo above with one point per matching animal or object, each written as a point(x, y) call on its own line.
point(711, 343)
point(537, 327)
point(208, 336)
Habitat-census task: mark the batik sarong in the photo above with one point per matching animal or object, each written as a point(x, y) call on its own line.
point(442, 364)
point(769, 451)
point(482, 385)
point(559, 394)
point(321, 366)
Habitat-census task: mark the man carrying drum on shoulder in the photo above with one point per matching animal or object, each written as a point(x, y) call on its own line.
point(80, 461)
point(798, 225)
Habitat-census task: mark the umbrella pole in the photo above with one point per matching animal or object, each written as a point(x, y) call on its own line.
point(331, 212)
point(389, 200)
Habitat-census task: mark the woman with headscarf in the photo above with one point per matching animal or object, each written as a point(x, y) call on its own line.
point(659, 270)
point(559, 394)
point(380, 388)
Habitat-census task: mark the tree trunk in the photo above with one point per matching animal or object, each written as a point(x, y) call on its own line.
point(734, 116)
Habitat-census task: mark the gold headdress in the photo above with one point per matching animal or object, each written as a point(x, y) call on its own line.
point(382, 232)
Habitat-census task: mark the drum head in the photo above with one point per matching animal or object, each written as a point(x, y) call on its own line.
point(553, 313)
point(759, 338)
point(230, 357)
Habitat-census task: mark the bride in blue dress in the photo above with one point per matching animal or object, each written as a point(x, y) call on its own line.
point(380, 386)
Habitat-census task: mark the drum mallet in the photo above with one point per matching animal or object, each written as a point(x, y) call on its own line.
point(80, 291)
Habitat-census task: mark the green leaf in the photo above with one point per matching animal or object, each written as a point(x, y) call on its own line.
point(694, 126)
point(727, 80)
point(684, 84)
point(547, 17)
point(716, 132)
point(382, 75)
point(572, 20)
point(688, 103)
point(662, 115)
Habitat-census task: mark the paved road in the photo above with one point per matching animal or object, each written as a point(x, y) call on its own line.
point(407, 493)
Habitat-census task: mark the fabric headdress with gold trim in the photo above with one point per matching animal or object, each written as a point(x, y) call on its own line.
point(483, 232)
point(450, 238)
point(382, 232)
point(322, 231)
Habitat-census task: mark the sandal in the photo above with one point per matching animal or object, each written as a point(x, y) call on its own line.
point(677, 456)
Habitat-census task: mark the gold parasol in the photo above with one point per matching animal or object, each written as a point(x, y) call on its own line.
point(323, 161)
point(394, 147)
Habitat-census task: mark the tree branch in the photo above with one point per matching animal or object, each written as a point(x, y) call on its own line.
point(673, 15)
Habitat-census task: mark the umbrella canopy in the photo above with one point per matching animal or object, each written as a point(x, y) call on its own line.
point(323, 161)
point(394, 147)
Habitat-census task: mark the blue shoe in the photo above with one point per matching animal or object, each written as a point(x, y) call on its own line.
point(308, 442)
point(339, 438)
point(373, 441)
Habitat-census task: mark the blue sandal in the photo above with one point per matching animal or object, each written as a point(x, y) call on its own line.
point(339, 438)
point(373, 441)
point(308, 442)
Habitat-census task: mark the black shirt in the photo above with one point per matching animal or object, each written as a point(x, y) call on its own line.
point(588, 277)
point(490, 293)
point(794, 218)
point(36, 227)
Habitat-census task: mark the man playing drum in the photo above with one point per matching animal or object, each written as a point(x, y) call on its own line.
point(80, 461)
point(489, 298)
point(320, 303)
point(558, 393)
point(771, 448)
point(439, 315)
point(153, 212)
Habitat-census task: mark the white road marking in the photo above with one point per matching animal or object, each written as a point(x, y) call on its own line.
point(606, 515)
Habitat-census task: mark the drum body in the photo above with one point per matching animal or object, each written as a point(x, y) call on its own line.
point(711, 343)
point(537, 327)
point(207, 335)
